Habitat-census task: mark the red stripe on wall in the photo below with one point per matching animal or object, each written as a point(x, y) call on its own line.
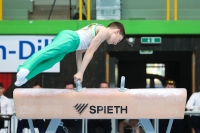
point(6, 80)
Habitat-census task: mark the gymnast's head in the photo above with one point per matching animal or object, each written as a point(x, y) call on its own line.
point(117, 33)
point(170, 84)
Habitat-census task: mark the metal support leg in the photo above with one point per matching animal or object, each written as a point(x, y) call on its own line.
point(84, 125)
point(30, 122)
point(169, 125)
point(156, 125)
point(114, 126)
point(53, 125)
point(147, 126)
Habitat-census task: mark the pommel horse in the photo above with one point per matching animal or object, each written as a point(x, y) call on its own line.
point(95, 103)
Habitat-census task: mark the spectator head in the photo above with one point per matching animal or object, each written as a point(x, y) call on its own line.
point(104, 84)
point(69, 85)
point(170, 84)
point(36, 85)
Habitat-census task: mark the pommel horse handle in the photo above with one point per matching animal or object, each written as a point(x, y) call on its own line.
point(121, 89)
point(78, 86)
point(122, 86)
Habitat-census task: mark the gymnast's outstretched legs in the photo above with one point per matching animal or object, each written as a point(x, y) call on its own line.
point(65, 42)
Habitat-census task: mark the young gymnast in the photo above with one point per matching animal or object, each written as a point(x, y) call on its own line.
point(85, 40)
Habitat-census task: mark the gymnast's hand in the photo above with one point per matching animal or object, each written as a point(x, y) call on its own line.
point(77, 76)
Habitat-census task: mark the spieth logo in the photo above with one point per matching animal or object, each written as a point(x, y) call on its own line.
point(80, 108)
point(101, 109)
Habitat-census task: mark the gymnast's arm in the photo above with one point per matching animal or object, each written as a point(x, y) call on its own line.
point(95, 43)
point(79, 54)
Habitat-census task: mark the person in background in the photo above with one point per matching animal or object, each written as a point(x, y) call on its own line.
point(194, 104)
point(5, 105)
point(74, 123)
point(177, 125)
point(105, 124)
point(69, 85)
point(38, 123)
